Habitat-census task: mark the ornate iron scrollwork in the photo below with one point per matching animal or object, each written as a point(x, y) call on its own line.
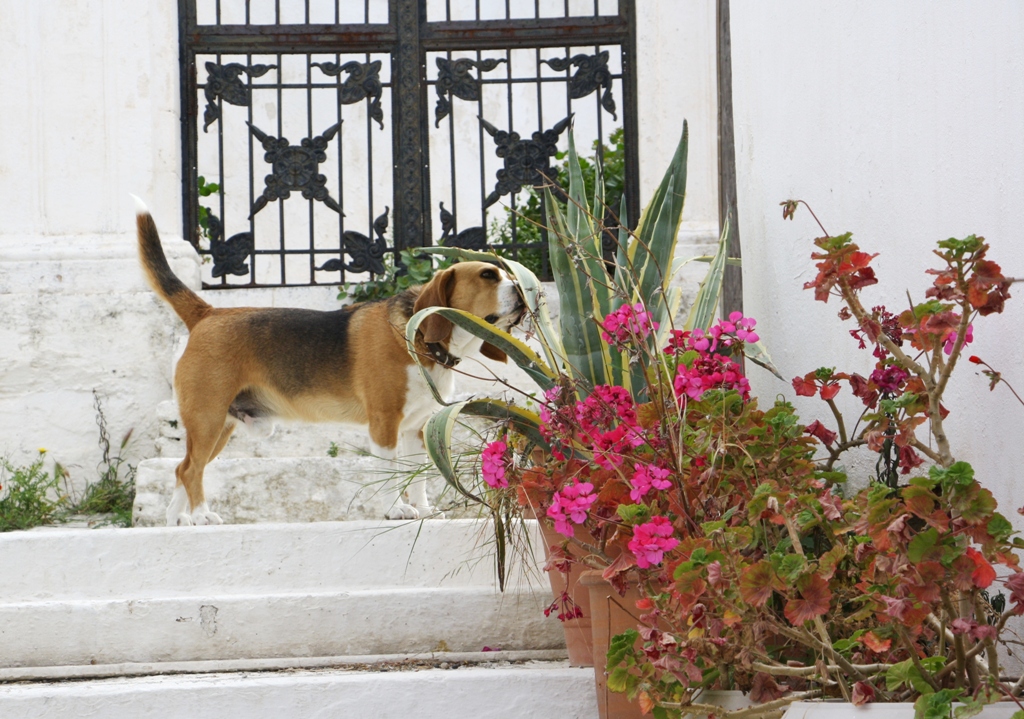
point(295, 167)
point(474, 238)
point(591, 73)
point(223, 81)
point(228, 257)
point(363, 82)
point(527, 162)
point(367, 255)
point(453, 78)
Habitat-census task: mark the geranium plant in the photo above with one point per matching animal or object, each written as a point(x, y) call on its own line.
point(757, 572)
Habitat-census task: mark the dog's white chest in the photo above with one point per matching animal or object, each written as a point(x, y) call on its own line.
point(419, 400)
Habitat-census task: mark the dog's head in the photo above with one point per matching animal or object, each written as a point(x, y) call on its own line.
point(479, 288)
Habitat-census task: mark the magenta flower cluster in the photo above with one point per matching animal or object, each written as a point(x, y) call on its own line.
point(709, 372)
point(569, 506)
point(646, 477)
point(494, 463)
point(627, 325)
point(651, 540)
point(607, 425)
point(726, 333)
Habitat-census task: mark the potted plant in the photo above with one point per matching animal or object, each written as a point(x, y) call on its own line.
point(756, 568)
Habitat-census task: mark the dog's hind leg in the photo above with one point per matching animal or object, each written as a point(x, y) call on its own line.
point(188, 505)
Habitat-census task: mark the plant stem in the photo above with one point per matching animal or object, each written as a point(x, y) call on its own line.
point(839, 420)
point(753, 711)
point(912, 650)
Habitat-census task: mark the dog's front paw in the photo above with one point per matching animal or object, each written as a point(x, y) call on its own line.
point(428, 512)
point(181, 520)
point(402, 510)
point(206, 517)
point(202, 515)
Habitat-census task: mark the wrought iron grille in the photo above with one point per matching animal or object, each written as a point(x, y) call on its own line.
point(322, 137)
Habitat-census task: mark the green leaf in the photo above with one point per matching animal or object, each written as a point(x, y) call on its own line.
point(633, 513)
point(758, 354)
point(898, 674)
point(1000, 528)
point(958, 474)
point(936, 705)
point(620, 646)
point(437, 434)
point(618, 680)
point(586, 354)
point(922, 544)
point(657, 232)
point(705, 306)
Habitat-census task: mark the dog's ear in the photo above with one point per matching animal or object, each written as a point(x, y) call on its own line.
point(436, 293)
point(491, 352)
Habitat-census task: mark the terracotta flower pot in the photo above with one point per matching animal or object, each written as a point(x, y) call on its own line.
point(578, 639)
point(612, 615)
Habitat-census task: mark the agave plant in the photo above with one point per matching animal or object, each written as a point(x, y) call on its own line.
point(588, 292)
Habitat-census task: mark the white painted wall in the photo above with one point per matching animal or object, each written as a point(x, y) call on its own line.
point(900, 122)
point(90, 113)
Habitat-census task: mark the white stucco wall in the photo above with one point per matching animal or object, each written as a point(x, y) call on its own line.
point(900, 122)
point(90, 112)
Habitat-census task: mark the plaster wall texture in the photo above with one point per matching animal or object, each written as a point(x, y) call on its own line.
point(901, 123)
point(91, 114)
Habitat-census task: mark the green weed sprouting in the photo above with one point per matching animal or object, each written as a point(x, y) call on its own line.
point(29, 495)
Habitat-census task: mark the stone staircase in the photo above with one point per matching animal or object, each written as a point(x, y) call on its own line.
point(355, 618)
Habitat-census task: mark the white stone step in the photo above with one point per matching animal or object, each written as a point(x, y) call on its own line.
point(81, 597)
point(534, 690)
point(285, 489)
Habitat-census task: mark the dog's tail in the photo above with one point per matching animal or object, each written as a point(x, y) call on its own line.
point(191, 308)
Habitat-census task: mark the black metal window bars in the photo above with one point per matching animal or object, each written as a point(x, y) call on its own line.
point(382, 114)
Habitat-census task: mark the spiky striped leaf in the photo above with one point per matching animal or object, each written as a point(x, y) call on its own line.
point(705, 307)
point(581, 339)
point(437, 436)
point(652, 249)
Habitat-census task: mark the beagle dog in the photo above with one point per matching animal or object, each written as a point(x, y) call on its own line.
point(351, 365)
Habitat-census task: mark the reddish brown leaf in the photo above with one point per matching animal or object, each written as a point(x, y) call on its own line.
point(831, 506)
point(830, 390)
point(645, 702)
point(823, 433)
point(765, 689)
point(983, 574)
point(623, 563)
point(876, 644)
point(815, 598)
point(862, 694)
point(757, 583)
point(805, 386)
point(909, 459)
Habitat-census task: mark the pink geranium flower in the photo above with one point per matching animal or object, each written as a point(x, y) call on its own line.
point(646, 477)
point(570, 505)
point(628, 324)
point(951, 339)
point(494, 463)
point(651, 540)
point(709, 372)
